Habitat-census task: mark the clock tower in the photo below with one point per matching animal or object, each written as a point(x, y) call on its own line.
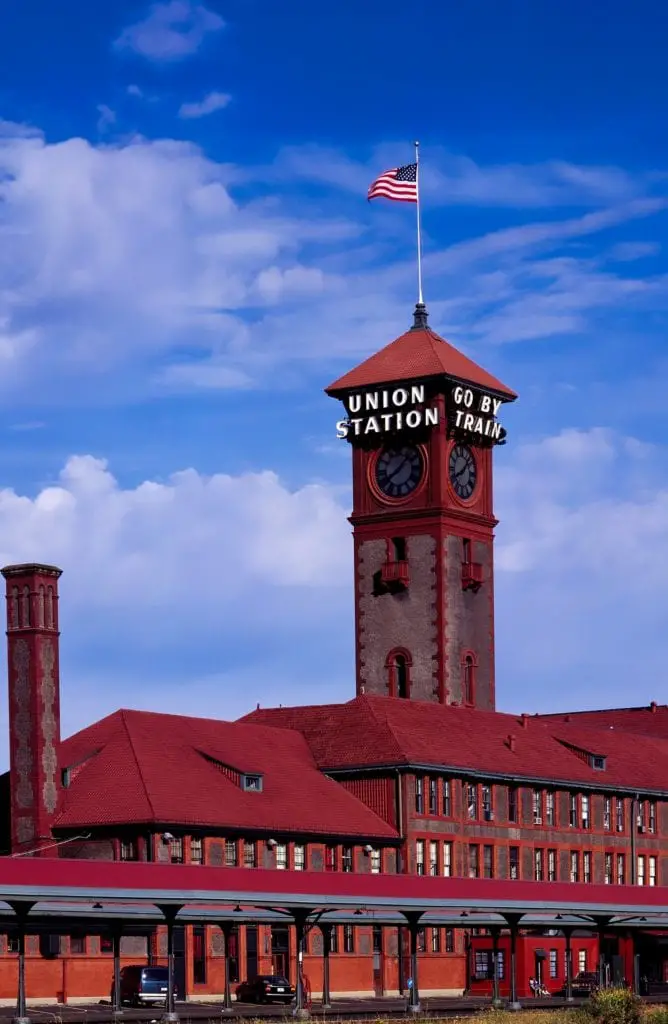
point(422, 420)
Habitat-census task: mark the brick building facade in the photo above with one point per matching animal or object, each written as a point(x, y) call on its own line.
point(417, 773)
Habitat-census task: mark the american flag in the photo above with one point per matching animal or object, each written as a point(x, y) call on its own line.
point(400, 183)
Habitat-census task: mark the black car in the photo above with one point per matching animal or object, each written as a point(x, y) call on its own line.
point(142, 986)
point(266, 988)
point(584, 983)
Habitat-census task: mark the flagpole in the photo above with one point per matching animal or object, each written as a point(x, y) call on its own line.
point(419, 230)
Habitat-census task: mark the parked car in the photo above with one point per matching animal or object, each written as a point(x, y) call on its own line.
point(143, 986)
point(584, 983)
point(266, 988)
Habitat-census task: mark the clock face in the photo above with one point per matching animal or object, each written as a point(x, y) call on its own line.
point(463, 471)
point(399, 471)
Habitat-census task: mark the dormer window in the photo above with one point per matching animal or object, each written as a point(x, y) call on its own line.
point(251, 783)
point(598, 763)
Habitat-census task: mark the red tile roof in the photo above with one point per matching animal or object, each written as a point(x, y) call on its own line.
point(417, 354)
point(373, 730)
point(137, 766)
point(648, 721)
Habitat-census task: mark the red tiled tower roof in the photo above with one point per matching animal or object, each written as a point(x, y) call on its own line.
point(419, 353)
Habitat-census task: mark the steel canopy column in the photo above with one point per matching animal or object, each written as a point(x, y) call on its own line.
point(226, 928)
point(300, 918)
point(496, 1001)
point(413, 918)
point(602, 924)
point(568, 934)
point(21, 911)
point(326, 930)
point(169, 912)
point(116, 944)
point(513, 921)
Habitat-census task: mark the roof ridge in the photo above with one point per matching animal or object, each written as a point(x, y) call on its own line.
point(384, 722)
point(137, 761)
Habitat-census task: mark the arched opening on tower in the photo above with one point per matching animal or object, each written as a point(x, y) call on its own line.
point(469, 679)
point(399, 677)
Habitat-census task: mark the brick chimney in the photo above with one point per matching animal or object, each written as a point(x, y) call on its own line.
point(34, 701)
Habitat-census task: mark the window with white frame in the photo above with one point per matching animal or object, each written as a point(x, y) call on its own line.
point(196, 850)
point(537, 800)
point(584, 806)
point(436, 940)
point(550, 809)
point(607, 813)
point(419, 794)
point(575, 866)
point(282, 857)
point(582, 961)
point(419, 856)
point(433, 857)
point(299, 857)
point(608, 869)
point(250, 853)
point(472, 801)
point(651, 820)
point(573, 810)
point(347, 859)
point(375, 862)
point(641, 870)
point(554, 964)
point(486, 798)
point(447, 798)
point(230, 853)
point(447, 858)
point(433, 796)
point(586, 866)
point(621, 869)
point(619, 816)
point(551, 865)
point(651, 875)
point(538, 865)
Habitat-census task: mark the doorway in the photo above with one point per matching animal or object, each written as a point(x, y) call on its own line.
point(280, 950)
point(251, 952)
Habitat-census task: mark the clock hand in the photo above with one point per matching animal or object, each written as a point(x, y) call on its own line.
point(398, 470)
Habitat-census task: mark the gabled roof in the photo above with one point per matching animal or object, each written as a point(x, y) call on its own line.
point(418, 354)
point(140, 767)
point(381, 731)
point(647, 721)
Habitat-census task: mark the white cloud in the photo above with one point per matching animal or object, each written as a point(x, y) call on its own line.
point(171, 31)
point(212, 101)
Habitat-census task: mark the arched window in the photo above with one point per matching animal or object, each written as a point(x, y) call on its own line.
point(14, 609)
point(398, 665)
point(40, 606)
point(468, 682)
point(49, 618)
point(25, 607)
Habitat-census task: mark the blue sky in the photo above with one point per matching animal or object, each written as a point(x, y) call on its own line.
point(187, 258)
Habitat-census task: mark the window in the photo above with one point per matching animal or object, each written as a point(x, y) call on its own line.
point(500, 965)
point(486, 797)
point(230, 853)
point(608, 869)
point(598, 763)
point(449, 940)
point(299, 855)
point(550, 810)
point(175, 845)
point(333, 939)
point(77, 944)
point(575, 866)
point(554, 964)
point(512, 803)
point(398, 666)
point(348, 938)
point(250, 854)
point(488, 862)
point(399, 549)
point(514, 861)
point(652, 816)
point(472, 801)
point(376, 862)
point(433, 857)
point(586, 866)
point(572, 810)
point(621, 869)
point(128, 849)
point(641, 814)
point(196, 850)
point(419, 795)
point(419, 856)
point(482, 964)
point(582, 961)
point(474, 860)
point(106, 944)
point(537, 807)
point(620, 814)
point(551, 865)
point(469, 680)
point(433, 796)
point(199, 955)
point(421, 940)
point(447, 859)
point(607, 813)
point(251, 783)
point(282, 857)
point(13, 944)
point(330, 858)
point(436, 940)
point(447, 798)
point(538, 865)
point(347, 859)
point(641, 870)
point(586, 822)
point(651, 877)
point(466, 551)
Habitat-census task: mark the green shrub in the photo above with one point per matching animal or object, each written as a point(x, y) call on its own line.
point(656, 1015)
point(614, 1006)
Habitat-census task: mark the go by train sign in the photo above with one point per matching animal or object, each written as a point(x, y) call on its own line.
point(372, 414)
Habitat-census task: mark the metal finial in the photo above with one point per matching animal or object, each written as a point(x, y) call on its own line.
point(420, 317)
